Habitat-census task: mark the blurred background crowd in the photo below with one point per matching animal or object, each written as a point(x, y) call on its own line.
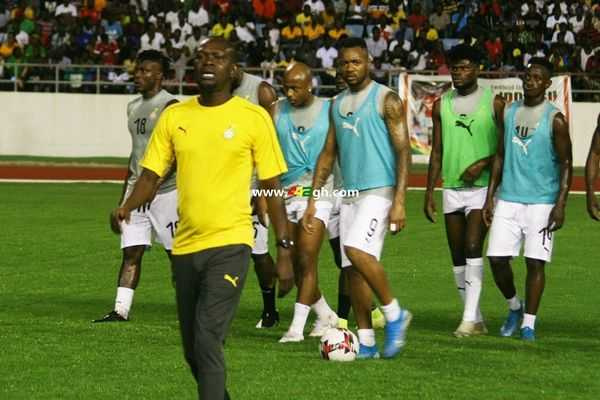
point(401, 35)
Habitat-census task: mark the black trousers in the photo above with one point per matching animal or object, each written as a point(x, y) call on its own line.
point(208, 286)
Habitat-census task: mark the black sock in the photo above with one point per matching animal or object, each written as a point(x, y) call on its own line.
point(343, 306)
point(268, 295)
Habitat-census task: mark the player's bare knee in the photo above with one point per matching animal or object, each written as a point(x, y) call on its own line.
point(499, 262)
point(356, 256)
point(534, 265)
point(133, 255)
point(473, 249)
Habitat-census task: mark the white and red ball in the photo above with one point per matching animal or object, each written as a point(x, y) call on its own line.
point(338, 344)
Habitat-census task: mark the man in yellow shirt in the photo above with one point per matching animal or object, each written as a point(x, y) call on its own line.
point(216, 139)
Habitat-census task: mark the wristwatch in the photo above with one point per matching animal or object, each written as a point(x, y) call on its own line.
point(285, 243)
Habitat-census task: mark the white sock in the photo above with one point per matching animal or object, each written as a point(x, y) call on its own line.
point(459, 279)
point(123, 301)
point(473, 278)
point(528, 321)
point(366, 337)
point(322, 308)
point(391, 311)
point(300, 315)
point(514, 303)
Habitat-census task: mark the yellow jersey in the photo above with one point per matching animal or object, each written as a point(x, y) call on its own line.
point(216, 150)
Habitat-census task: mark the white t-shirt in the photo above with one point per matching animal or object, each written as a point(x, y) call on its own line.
point(156, 44)
point(244, 33)
point(576, 25)
point(62, 9)
point(376, 48)
point(569, 37)
point(551, 22)
point(316, 7)
point(199, 18)
point(171, 18)
point(327, 56)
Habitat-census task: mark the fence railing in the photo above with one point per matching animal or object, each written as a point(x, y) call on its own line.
point(76, 78)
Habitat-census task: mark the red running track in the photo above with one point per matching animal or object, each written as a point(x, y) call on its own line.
point(44, 172)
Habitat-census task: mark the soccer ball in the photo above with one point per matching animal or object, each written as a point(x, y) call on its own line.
point(338, 344)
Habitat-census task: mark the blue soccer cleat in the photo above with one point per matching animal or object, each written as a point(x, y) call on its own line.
point(367, 352)
point(395, 334)
point(512, 322)
point(528, 334)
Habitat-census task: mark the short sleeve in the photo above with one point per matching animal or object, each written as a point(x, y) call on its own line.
point(160, 152)
point(266, 151)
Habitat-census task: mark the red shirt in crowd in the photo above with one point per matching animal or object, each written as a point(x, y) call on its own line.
point(416, 22)
point(264, 8)
point(494, 49)
point(107, 51)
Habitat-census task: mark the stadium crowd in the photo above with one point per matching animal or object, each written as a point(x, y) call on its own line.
point(401, 34)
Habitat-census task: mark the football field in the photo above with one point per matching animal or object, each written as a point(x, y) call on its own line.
point(59, 264)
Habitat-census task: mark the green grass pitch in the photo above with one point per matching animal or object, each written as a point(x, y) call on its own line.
point(59, 266)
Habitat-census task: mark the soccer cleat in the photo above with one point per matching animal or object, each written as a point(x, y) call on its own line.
point(291, 337)
point(321, 325)
point(467, 328)
point(512, 322)
point(112, 316)
point(395, 334)
point(342, 323)
point(367, 352)
point(268, 320)
point(377, 319)
point(528, 334)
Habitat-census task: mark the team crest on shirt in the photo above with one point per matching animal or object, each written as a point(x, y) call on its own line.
point(154, 113)
point(300, 138)
point(466, 126)
point(229, 133)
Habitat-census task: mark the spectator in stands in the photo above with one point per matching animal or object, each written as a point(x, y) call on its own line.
point(88, 11)
point(66, 7)
point(428, 32)
point(340, 6)
point(585, 53)
point(376, 44)
point(533, 19)
point(304, 16)
point(273, 35)
point(326, 54)
point(592, 65)
point(338, 29)
point(440, 20)
point(8, 46)
point(417, 58)
point(554, 20)
point(265, 10)
point(313, 31)
point(589, 33)
point(4, 15)
point(112, 26)
point(223, 28)
point(45, 27)
point(329, 16)
point(578, 20)
point(194, 39)
point(245, 31)
point(416, 20)
point(61, 38)
point(152, 40)
point(494, 48)
point(185, 29)
point(316, 6)
point(106, 50)
point(291, 34)
point(198, 16)
point(459, 21)
point(563, 35)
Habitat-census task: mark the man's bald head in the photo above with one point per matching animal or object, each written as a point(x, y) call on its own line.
point(298, 71)
point(297, 84)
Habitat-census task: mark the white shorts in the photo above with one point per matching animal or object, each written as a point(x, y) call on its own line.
point(333, 227)
point(261, 237)
point(463, 200)
point(363, 225)
point(159, 218)
point(514, 222)
point(295, 210)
